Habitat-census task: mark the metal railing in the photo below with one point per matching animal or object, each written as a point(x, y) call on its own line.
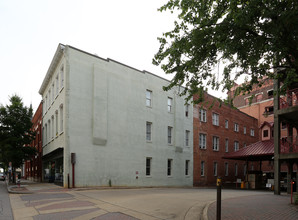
point(290, 99)
point(289, 145)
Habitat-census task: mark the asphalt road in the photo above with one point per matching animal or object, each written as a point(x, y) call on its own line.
point(5, 208)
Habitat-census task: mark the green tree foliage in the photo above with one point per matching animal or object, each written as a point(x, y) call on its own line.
point(16, 132)
point(252, 37)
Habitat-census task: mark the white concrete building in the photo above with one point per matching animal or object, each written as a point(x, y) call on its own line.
point(122, 127)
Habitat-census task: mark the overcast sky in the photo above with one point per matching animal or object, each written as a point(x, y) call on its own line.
point(31, 30)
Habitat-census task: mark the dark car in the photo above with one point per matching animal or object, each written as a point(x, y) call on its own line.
point(2, 176)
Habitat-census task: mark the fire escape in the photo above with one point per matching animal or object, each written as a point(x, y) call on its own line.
point(285, 149)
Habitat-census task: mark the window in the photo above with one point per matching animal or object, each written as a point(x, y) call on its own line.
point(215, 143)
point(148, 166)
point(202, 168)
point(227, 145)
point(202, 141)
point(170, 100)
point(270, 93)
point(252, 132)
point(226, 169)
point(62, 77)
point(61, 118)
point(215, 168)
point(46, 134)
point(50, 97)
point(236, 145)
point(170, 167)
point(56, 116)
point(259, 97)
point(236, 127)
point(215, 119)
point(170, 135)
point(269, 110)
point(148, 98)
point(57, 84)
point(236, 169)
point(43, 136)
point(203, 116)
point(226, 124)
point(187, 138)
point(186, 110)
point(49, 130)
point(246, 101)
point(244, 130)
point(53, 127)
point(186, 167)
point(265, 133)
point(46, 105)
point(148, 131)
point(53, 93)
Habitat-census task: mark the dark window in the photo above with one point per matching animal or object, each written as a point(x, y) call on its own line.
point(148, 166)
point(169, 167)
point(270, 93)
point(265, 133)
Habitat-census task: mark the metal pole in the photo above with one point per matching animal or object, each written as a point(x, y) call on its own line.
point(292, 182)
point(218, 199)
point(68, 181)
point(73, 176)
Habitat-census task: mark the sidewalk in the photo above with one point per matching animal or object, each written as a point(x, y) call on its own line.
point(256, 207)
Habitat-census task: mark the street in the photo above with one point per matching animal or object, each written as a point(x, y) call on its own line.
point(53, 202)
point(5, 208)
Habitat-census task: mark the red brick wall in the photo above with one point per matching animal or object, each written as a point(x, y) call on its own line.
point(208, 155)
point(33, 167)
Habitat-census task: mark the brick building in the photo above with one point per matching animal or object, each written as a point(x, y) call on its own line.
point(218, 131)
point(33, 167)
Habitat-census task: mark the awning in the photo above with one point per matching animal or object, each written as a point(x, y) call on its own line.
point(262, 150)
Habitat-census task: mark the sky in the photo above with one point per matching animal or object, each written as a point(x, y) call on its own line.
point(125, 31)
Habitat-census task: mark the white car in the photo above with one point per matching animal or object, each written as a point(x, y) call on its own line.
point(2, 176)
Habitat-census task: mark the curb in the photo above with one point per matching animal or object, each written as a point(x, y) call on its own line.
point(205, 211)
point(11, 191)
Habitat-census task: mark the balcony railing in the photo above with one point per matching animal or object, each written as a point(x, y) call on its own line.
point(290, 99)
point(289, 145)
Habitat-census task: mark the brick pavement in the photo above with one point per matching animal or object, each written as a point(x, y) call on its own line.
point(273, 207)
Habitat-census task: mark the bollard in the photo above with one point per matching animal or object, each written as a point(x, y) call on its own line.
point(292, 182)
point(218, 199)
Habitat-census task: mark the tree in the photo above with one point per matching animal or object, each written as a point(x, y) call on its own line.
point(251, 38)
point(16, 133)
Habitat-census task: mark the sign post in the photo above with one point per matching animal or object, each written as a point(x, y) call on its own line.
point(218, 199)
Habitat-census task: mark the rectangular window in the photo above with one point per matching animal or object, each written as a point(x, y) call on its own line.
point(215, 168)
point(56, 117)
point(148, 131)
point(252, 132)
point(169, 167)
point(226, 169)
point(53, 93)
point(61, 118)
point(170, 100)
point(148, 98)
point(215, 119)
point(202, 141)
point(186, 110)
point(50, 97)
point(236, 127)
point(186, 167)
point(227, 145)
point(215, 143)
point(49, 130)
point(62, 77)
point(46, 105)
point(57, 84)
point(148, 166)
point(236, 169)
point(244, 130)
point(265, 133)
point(170, 135)
point(270, 93)
point(203, 115)
point(226, 124)
point(236, 145)
point(53, 127)
point(187, 138)
point(202, 168)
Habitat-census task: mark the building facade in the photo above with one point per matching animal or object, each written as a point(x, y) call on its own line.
point(108, 124)
point(218, 131)
point(33, 167)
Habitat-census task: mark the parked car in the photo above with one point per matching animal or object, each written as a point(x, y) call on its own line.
point(2, 176)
